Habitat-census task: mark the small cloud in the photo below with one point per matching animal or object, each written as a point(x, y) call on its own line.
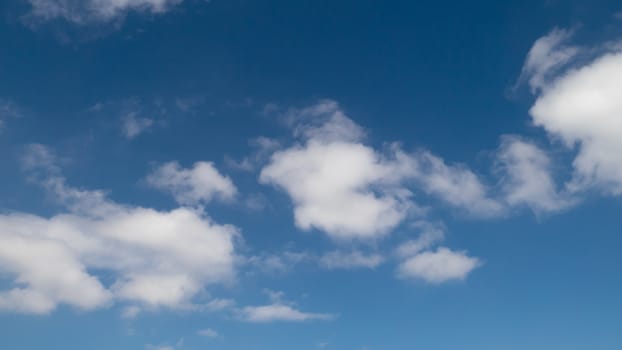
point(8, 109)
point(263, 147)
point(219, 305)
point(208, 332)
point(132, 125)
point(199, 184)
point(130, 312)
point(279, 312)
point(438, 267)
point(350, 260)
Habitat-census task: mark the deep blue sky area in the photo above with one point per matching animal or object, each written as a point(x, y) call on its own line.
point(223, 91)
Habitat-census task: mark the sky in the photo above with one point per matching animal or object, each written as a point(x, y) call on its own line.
point(277, 175)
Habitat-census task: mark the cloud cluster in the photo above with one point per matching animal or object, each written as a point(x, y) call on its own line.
point(101, 252)
point(84, 12)
point(350, 190)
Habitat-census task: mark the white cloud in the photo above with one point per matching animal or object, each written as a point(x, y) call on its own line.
point(208, 332)
point(429, 236)
point(548, 54)
point(337, 184)
point(440, 266)
point(278, 263)
point(350, 260)
point(583, 108)
point(199, 184)
point(156, 258)
point(527, 177)
point(8, 110)
point(132, 125)
point(262, 148)
point(279, 312)
point(349, 190)
point(84, 12)
point(219, 304)
point(454, 184)
point(324, 122)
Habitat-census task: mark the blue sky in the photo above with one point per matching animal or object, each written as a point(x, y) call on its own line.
point(349, 175)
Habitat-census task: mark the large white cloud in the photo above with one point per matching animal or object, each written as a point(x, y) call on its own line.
point(149, 258)
point(95, 11)
point(583, 108)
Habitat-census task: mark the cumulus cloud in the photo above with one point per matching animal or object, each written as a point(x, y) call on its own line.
point(582, 107)
point(199, 184)
point(419, 261)
point(338, 184)
point(83, 12)
point(155, 258)
point(438, 266)
point(527, 177)
point(343, 187)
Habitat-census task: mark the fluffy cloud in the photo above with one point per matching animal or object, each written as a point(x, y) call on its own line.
point(583, 108)
point(456, 185)
point(338, 184)
point(199, 184)
point(442, 265)
point(348, 189)
point(332, 187)
point(527, 177)
point(151, 258)
point(95, 11)
point(438, 266)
